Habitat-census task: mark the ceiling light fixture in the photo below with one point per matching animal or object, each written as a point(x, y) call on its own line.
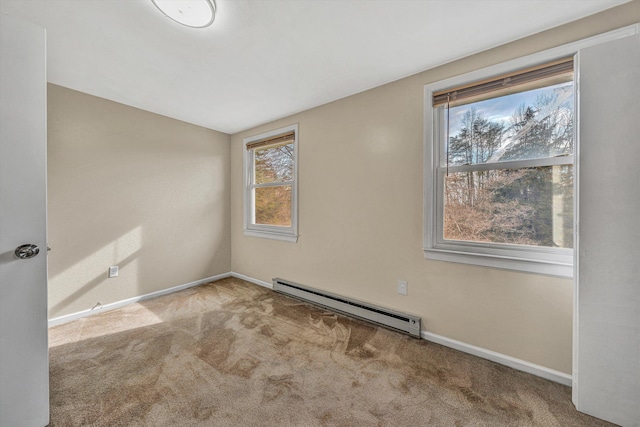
point(192, 13)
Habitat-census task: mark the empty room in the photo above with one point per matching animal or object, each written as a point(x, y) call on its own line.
point(319, 213)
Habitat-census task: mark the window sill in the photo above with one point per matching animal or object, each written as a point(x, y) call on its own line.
point(524, 265)
point(272, 235)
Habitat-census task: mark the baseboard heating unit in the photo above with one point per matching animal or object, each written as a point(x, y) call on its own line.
point(382, 316)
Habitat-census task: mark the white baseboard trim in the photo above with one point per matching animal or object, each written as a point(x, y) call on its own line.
point(503, 359)
point(252, 280)
point(512, 362)
point(84, 313)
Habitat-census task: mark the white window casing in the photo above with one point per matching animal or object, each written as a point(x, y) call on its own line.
point(284, 233)
point(533, 259)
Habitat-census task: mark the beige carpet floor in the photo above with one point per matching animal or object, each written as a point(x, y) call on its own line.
point(231, 353)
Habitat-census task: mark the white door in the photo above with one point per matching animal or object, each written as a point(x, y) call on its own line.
point(24, 365)
point(607, 359)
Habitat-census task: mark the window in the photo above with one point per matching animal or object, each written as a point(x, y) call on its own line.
point(271, 172)
point(499, 170)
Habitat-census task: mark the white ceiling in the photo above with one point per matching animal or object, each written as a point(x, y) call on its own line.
point(266, 59)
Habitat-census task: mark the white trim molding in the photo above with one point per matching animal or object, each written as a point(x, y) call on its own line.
point(252, 280)
point(493, 356)
point(118, 304)
point(269, 235)
point(502, 359)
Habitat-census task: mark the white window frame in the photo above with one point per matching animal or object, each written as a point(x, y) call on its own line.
point(541, 260)
point(289, 234)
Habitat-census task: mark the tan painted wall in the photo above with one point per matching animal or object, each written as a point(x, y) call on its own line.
point(361, 220)
point(134, 189)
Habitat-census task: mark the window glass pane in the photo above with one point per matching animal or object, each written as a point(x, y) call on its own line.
point(526, 125)
point(273, 205)
point(529, 206)
point(273, 164)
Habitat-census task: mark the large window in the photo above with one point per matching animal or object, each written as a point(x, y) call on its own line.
point(271, 184)
point(500, 170)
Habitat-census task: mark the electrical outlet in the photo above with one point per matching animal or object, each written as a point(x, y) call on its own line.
point(402, 287)
point(113, 271)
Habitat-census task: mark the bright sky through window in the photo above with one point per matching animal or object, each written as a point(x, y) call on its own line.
point(502, 108)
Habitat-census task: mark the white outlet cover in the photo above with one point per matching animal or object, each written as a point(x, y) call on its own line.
point(113, 271)
point(402, 287)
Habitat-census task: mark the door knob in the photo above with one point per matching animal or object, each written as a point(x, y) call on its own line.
point(27, 251)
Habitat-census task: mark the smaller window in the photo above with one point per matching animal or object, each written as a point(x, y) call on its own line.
point(270, 190)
